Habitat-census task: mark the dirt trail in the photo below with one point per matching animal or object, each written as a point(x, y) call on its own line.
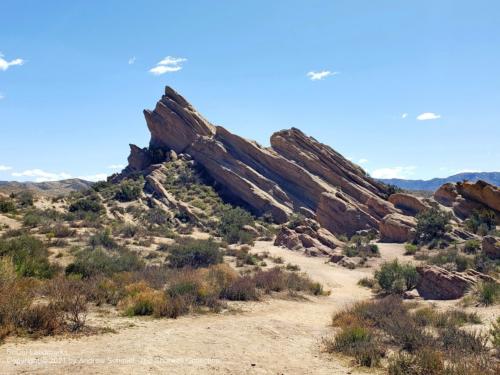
point(270, 337)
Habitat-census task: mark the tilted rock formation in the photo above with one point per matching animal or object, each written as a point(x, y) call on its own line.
point(397, 228)
point(295, 174)
point(465, 197)
point(439, 283)
point(407, 203)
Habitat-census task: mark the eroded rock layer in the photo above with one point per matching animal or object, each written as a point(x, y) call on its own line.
point(296, 174)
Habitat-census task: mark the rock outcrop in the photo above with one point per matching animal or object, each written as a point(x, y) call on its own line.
point(491, 247)
point(441, 284)
point(407, 203)
point(397, 228)
point(296, 174)
point(465, 197)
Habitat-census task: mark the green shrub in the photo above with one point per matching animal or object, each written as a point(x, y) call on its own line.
point(431, 224)
point(29, 255)
point(7, 205)
point(129, 190)
point(25, 198)
point(103, 239)
point(194, 253)
point(481, 221)
point(472, 246)
point(231, 225)
point(444, 258)
point(89, 203)
point(394, 277)
point(410, 249)
point(93, 262)
point(488, 293)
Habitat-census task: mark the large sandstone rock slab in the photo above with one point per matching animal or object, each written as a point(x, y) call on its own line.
point(296, 174)
point(397, 228)
point(407, 203)
point(441, 284)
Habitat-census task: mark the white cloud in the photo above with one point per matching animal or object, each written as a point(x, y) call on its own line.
point(39, 175)
point(95, 177)
point(4, 64)
point(404, 115)
point(428, 116)
point(168, 65)
point(362, 161)
point(395, 172)
point(2, 96)
point(131, 60)
point(4, 168)
point(116, 166)
point(318, 76)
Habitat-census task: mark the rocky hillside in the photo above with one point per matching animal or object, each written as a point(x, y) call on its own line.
point(48, 188)
point(434, 184)
point(296, 174)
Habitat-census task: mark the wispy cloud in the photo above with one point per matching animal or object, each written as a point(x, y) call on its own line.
point(4, 168)
point(39, 175)
point(404, 115)
point(428, 116)
point(116, 166)
point(362, 161)
point(318, 76)
point(168, 65)
point(394, 172)
point(131, 60)
point(2, 96)
point(4, 64)
point(95, 177)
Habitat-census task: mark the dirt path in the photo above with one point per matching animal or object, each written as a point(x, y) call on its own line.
point(270, 337)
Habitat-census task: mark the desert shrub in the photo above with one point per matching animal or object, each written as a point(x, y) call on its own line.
point(90, 203)
point(241, 289)
point(7, 205)
point(273, 280)
point(194, 253)
point(128, 230)
point(358, 342)
point(431, 224)
point(394, 277)
point(472, 246)
point(481, 221)
point(143, 300)
point(410, 249)
point(451, 259)
point(464, 342)
point(231, 224)
point(103, 239)
point(425, 362)
point(295, 220)
point(488, 293)
point(25, 198)
point(129, 190)
point(29, 255)
point(93, 262)
point(41, 320)
point(292, 267)
point(62, 231)
point(367, 282)
point(69, 295)
point(495, 334)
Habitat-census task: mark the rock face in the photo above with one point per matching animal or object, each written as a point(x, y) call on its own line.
point(491, 247)
point(465, 197)
point(296, 174)
point(397, 228)
point(407, 203)
point(438, 283)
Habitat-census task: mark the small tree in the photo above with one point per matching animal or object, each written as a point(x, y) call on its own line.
point(394, 277)
point(431, 224)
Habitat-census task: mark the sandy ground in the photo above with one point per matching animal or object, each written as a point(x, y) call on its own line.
point(276, 336)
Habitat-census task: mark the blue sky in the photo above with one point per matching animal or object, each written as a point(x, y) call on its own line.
point(76, 75)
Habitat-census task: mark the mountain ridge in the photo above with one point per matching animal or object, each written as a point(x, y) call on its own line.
point(435, 183)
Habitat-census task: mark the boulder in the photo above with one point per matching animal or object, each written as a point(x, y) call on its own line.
point(441, 284)
point(409, 204)
point(139, 158)
point(288, 238)
point(397, 228)
point(446, 194)
point(491, 247)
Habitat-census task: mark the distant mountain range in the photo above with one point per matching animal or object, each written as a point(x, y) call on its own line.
point(435, 183)
point(49, 188)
